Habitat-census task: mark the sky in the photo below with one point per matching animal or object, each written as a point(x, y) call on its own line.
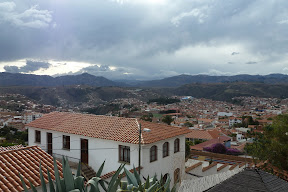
point(144, 39)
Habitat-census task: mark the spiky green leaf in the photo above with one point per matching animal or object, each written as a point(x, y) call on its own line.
point(114, 177)
point(43, 184)
point(57, 176)
point(130, 177)
point(99, 172)
point(137, 176)
point(23, 183)
point(62, 182)
point(51, 184)
point(152, 187)
point(78, 169)
point(79, 183)
point(32, 187)
point(68, 177)
point(94, 185)
point(147, 183)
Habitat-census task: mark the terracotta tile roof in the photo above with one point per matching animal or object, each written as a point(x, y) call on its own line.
point(106, 127)
point(11, 148)
point(203, 134)
point(25, 161)
point(110, 174)
point(160, 131)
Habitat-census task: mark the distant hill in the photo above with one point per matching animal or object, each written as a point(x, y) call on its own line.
point(180, 80)
point(226, 91)
point(18, 79)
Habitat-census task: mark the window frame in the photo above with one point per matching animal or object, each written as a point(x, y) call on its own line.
point(66, 142)
point(124, 153)
point(176, 145)
point(37, 136)
point(153, 153)
point(166, 149)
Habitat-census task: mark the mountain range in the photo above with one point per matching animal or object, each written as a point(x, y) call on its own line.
point(18, 79)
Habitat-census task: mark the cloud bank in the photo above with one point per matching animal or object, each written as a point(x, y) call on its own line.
point(145, 39)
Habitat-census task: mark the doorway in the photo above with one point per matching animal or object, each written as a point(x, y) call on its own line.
point(49, 144)
point(84, 151)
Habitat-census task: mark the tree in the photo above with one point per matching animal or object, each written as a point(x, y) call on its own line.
point(167, 119)
point(147, 117)
point(188, 124)
point(187, 147)
point(272, 145)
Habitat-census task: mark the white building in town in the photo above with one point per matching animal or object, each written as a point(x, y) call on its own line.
point(31, 116)
point(93, 139)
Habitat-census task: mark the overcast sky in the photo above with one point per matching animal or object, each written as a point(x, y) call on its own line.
point(144, 39)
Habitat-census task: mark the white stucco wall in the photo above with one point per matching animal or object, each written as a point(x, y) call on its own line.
point(101, 149)
point(167, 164)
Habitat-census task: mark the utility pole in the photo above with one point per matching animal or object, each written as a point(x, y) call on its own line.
point(139, 160)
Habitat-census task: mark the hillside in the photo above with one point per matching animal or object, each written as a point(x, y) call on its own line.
point(81, 96)
point(18, 79)
point(226, 91)
point(180, 80)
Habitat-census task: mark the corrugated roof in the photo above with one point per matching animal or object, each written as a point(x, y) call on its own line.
point(106, 127)
point(252, 180)
point(24, 161)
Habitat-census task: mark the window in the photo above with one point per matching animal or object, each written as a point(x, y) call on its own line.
point(165, 149)
point(124, 153)
point(176, 175)
point(165, 177)
point(153, 153)
point(66, 142)
point(176, 145)
point(37, 136)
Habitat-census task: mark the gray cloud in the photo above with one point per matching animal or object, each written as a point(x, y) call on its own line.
point(11, 69)
point(31, 18)
point(251, 62)
point(235, 53)
point(148, 40)
point(30, 66)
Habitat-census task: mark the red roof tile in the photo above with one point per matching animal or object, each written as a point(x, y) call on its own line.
point(25, 161)
point(106, 127)
point(203, 134)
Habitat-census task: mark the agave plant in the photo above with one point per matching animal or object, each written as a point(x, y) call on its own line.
point(96, 184)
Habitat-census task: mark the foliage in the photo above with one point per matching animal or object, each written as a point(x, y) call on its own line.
point(187, 147)
point(272, 145)
point(232, 151)
point(147, 117)
point(167, 119)
point(13, 135)
point(96, 184)
point(164, 101)
point(188, 124)
point(220, 148)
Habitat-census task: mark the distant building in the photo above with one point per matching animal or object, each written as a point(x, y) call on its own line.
point(223, 114)
point(29, 117)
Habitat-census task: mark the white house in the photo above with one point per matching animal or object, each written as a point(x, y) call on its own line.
point(93, 139)
point(233, 121)
point(29, 117)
